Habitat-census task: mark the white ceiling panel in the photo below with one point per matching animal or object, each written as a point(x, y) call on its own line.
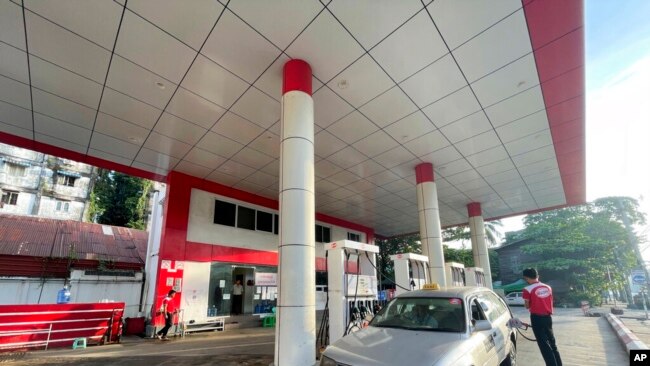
point(192, 169)
point(521, 105)
point(325, 144)
point(394, 157)
point(13, 63)
point(224, 46)
point(53, 106)
point(407, 170)
point(361, 185)
point(410, 48)
point(12, 28)
point(262, 179)
point(501, 44)
point(361, 82)
point(265, 17)
point(427, 143)
point(478, 143)
point(148, 46)
point(504, 176)
point(508, 81)
point(222, 178)
point(204, 158)
point(63, 83)
point(129, 109)
point(347, 157)
point(194, 108)
point(64, 48)
point(150, 168)
point(166, 145)
point(329, 107)
point(115, 127)
point(366, 168)
point(459, 21)
point(135, 81)
point(341, 193)
point(110, 157)
point(236, 169)
point(523, 127)
point(488, 156)
point(190, 24)
point(375, 144)
point(271, 81)
point(114, 146)
point(63, 144)
point(237, 128)
point(325, 186)
point(436, 81)
point(410, 127)
point(327, 46)
point(541, 176)
point(492, 169)
point(324, 169)
point(14, 92)
point(370, 20)
point(61, 130)
point(538, 167)
point(16, 116)
point(468, 180)
point(156, 159)
point(352, 127)
point(272, 168)
point(471, 125)
point(529, 143)
point(452, 168)
point(389, 107)
point(252, 158)
point(453, 107)
point(442, 156)
point(268, 143)
point(179, 129)
point(258, 107)
point(533, 156)
point(213, 82)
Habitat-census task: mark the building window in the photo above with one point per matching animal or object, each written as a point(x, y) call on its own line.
point(63, 206)
point(224, 213)
point(515, 266)
point(66, 180)
point(354, 237)
point(322, 234)
point(276, 224)
point(15, 170)
point(264, 221)
point(10, 198)
point(245, 218)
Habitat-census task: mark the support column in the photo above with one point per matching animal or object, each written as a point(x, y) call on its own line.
point(295, 332)
point(430, 233)
point(479, 247)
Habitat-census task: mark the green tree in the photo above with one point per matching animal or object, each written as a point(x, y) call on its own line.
point(580, 243)
point(120, 200)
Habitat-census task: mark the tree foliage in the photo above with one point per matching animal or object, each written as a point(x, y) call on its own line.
point(580, 244)
point(120, 200)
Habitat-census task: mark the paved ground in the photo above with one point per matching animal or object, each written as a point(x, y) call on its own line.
point(636, 321)
point(581, 340)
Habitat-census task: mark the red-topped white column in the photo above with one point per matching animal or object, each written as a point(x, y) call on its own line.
point(430, 233)
point(295, 332)
point(479, 247)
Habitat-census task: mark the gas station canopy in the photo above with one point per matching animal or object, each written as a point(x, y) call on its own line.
point(491, 93)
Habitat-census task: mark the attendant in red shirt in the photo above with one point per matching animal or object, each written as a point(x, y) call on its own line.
point(168, 309)
point(538, 299)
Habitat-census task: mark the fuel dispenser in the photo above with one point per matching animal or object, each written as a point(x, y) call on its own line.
point(349, 291)
point(455, 273)
point(410, 271)
point(475, 276)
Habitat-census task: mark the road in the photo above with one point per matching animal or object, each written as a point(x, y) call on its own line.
point(581, 341)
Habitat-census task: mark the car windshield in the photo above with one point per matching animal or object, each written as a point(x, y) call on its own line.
point(421, 313)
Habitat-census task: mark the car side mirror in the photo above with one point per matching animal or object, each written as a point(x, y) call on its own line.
point(482, 325)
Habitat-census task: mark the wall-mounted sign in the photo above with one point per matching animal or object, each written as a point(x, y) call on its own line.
point(266, 279)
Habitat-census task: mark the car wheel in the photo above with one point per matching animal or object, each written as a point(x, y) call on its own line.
point(511, 360)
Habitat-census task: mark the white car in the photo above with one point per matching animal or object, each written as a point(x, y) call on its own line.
point(515, 299)
point(452, 326)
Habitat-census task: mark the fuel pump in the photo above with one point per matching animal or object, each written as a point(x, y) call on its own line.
point(455, 273)
point(349, 292)
point(475, 276)
point(410, 271)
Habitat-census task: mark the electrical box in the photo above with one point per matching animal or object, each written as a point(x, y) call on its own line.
point(475, 276)
point(410, 271)
point(455, 274)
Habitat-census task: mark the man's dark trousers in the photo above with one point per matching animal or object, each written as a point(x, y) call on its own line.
point(543, 328)
point(168, 324)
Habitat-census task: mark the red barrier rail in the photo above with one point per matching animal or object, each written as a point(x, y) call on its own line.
point(58, 325)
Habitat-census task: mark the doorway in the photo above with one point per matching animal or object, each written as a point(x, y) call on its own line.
point(246, 276)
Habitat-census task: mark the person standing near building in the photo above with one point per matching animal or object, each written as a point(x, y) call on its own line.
point(538, 299)
point(237, 291)
point(168, 309)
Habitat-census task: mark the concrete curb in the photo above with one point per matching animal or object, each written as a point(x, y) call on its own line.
point(629, 339)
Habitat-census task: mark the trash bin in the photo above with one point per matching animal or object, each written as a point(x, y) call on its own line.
point(134, 326)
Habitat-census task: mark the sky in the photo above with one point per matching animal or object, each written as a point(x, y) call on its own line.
point(618, 103)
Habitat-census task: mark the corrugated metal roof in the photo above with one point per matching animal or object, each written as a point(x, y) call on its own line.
point(49, 238)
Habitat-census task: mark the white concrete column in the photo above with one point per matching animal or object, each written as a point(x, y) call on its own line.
point(295, 332)
point(430, 232)
point(479, 246)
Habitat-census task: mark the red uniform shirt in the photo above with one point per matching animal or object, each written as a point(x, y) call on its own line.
point(170, 304)
point(540, 298)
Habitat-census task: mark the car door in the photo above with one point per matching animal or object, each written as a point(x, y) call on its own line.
point(483, 342)
point(511, 298)
point(498, 315)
